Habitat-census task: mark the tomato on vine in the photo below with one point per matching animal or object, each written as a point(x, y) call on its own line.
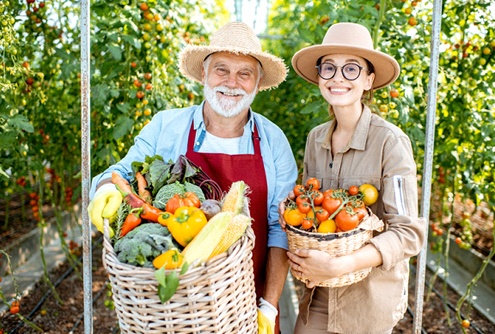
point(331, 204)
point(299, 190)
point(322, 215)
point(317, 197)
point(293, 216)
point(304, 207)
point(313, 183)
point(347, 219)
point(353, 190)
point(307, 223)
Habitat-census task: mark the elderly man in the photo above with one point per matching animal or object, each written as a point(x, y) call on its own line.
point(230, 142)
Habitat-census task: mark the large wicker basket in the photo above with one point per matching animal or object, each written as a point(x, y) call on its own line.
point(218, 297)
point(336, 244)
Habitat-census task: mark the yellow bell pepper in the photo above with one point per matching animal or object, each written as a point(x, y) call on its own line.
point(170, 259)
point(186, 224)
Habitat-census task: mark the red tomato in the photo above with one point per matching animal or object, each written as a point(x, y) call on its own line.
point(302, 198)
point(331, 204)
point(361, 212)
point(353, 190)
point(322, 215)
point(313, 183)
point(328, 193)
point(304, 207)
point(299, 190)
point(318, 197)
point(346, 220)
point(307, 223)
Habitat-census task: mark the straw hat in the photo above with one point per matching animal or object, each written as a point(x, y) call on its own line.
point(346, 38)
point(237, 38)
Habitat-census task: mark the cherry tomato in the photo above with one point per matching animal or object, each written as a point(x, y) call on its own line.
point(322, 215)
point(304, 207)
point(307, 223)
point(313, 183)
point(302, 198)
point(293, 216)
point(353, 190)
point(318, 197)
point(299, 190)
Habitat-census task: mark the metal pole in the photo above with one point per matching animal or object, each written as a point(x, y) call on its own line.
point(428, 161)
point(86, 165)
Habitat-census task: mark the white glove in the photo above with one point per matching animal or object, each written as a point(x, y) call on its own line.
point(267, 313)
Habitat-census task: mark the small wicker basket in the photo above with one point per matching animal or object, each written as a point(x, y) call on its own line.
point(336, 244)
point(217, 297)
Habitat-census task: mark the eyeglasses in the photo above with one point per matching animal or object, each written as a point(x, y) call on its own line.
point(350, 71)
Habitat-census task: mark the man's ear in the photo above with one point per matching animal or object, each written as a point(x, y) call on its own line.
point(203, 75)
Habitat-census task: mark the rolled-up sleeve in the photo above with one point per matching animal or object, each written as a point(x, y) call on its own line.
point(399, 204)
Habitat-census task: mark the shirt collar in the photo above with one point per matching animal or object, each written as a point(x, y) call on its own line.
point(358, 140)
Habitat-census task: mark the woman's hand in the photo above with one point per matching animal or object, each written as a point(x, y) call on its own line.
point(281, 210)
point(318, 266)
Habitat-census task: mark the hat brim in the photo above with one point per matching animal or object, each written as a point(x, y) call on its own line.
point(387, 69)
point(192, 57)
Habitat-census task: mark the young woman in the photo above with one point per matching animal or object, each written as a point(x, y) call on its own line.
point(354, 148)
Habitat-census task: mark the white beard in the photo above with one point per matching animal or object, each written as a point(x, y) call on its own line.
point(225, 106)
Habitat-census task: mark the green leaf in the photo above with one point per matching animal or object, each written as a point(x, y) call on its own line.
point(132, 41)
point(123, 125)
point(116, 52)
point(168, 284)
point(21, 122)
point(160, 276)
point(7, 139)
point(99, 93)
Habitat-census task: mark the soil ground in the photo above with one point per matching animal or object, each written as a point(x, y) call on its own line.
point(65, 315)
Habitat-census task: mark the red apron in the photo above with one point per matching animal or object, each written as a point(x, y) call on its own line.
point(226, 169)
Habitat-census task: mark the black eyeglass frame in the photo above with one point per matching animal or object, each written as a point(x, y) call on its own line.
point(361, 68)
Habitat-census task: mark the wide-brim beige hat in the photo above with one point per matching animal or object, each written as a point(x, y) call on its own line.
point(236, 38)
point(346, 38)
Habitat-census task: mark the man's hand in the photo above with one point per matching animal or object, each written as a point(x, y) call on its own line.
point(267, 314)
point(105, 204)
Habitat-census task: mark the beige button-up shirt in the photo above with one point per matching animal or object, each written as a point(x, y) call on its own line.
point(379, 153)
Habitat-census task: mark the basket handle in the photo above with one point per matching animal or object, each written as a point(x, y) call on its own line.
point(106, 239)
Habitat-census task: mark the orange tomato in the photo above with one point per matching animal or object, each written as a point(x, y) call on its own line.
point(327, 226)
point(293, 216)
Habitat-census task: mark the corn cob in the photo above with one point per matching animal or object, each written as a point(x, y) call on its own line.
point(235, 198)
point(207, 239)
point(235, 230)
